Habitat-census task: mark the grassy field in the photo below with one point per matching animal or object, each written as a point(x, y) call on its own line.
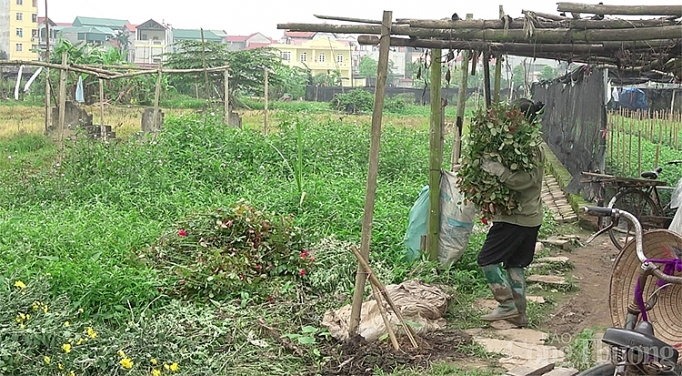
point(179, 254)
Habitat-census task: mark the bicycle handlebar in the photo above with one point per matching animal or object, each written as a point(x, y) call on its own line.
point(666, 278)
point(615, 214)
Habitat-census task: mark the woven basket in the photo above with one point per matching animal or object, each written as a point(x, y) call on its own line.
point(666, 316)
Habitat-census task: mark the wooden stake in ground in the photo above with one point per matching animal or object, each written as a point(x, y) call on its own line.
point(436, 156)
point(486, 80)
point(226, 79)
point(375, 281)
point(265, 107)
point(157, 101)
point(48, 105)
point(62, 101)
point(382, 74)
point(384, 317)
point(102, 128)
point(498, 78)
point(461, 105)
point(203, 61)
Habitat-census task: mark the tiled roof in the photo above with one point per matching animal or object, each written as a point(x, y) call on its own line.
point(299, 34)
point(94, 21)
point(195, 34)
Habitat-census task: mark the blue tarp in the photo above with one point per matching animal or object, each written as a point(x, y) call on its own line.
point(633, 99)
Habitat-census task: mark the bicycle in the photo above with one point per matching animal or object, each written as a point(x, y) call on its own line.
point(634, 348)
point(640, 197)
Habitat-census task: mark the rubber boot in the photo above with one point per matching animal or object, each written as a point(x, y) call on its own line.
point(518, 284)
point(502, 291)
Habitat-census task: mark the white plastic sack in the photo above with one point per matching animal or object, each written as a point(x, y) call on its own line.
point(456, 220)
point(420, 304)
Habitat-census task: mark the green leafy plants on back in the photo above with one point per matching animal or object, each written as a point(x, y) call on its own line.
point(501, 134)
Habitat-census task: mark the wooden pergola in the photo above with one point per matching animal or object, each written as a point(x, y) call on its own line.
point(580, 33)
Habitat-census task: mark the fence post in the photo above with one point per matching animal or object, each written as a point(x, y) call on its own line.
point(157, 100)
point(62, 100)
point(265, 118)
point(102, 128)
point(226, 78)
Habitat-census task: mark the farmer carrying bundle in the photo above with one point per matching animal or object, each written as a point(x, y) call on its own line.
point(502, 171)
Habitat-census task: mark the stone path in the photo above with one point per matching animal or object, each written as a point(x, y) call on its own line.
point(555, 199)
point(525, 352)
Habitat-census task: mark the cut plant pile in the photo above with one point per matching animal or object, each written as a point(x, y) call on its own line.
point(501, 134)
point(359, 357)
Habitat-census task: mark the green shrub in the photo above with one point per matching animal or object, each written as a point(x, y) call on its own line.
point(231, 252)
point(356, 100)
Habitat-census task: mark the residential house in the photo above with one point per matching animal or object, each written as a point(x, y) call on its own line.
point(19, 29)
point(149, 42)
point(195, 34)
point(93, 30)
point(246, 42)
point(55, 31)
point(292, 37)
point(322, 55)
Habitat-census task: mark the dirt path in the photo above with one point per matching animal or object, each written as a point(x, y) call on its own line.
point(587, 307)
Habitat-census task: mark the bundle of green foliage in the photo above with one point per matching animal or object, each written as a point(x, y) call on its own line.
point(232, 252)
point(501, 134)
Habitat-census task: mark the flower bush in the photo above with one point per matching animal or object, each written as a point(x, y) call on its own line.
point(501, 133)
point(232, 252)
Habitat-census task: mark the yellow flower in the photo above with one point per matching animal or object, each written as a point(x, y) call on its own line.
point(66, 347)
point(72, 373)
point(45, 309)
point(166, 367)
point(153, 361)
point(126, 363)
point(80, 341)
point(66, 323)
point(46, 359)
point(174, 367)
point(156, 372)
point(80, 310)
point(121, 354)
point(60, 366)
point(19, 284)
point(22, 326)
point(92, 333)
point(35, 306)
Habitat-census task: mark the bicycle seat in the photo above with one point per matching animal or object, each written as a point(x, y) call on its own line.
point(631, 340)
point(652, 174)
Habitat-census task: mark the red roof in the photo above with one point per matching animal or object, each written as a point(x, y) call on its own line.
point(252, 46)
point(299, 34)
point(130, 27)
point(237, 38)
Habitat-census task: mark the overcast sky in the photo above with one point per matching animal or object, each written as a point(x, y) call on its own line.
point(245, 17)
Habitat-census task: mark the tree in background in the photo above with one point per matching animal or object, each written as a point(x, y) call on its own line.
point(548, 73)
point(368, 67)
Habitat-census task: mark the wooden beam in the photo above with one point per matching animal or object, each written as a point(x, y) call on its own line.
point(549, 16)
point(623, 10)
point(581, 24)
point(465, 24)
point(618, 23)
point(499, 35)
point(512, 47)
point(486, 80)
point(461, 106)
point(372, 173)
point(62, 102)
point(435, 156)
point(498, 78)
point(356, 20)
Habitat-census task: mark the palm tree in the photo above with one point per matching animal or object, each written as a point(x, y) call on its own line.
point(123, 40)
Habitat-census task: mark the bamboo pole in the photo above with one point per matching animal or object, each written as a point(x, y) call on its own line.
point(203, 62)
point(461, 105)
point(622, 10)
point(382, 74)
point(157, 100)
point(384, 317)
point(486, 80)
point(660, 141)
point(630, 149)
point(549, 16)
point(501, 35)
point(48, 105)
point(498, 78)
point(226, 81)
point(102, 128)
point(62, 101)
point(639, 153)
point(374, 280)
point(265, 107)
point(561, 22)
point(436, 156)
point(91, 71)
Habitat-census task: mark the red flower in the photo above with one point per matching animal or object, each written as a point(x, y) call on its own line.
point(484, 221)
point(312, 258)
point(258, 267)
point(302, 272)
point(304, 254)
point(182, 233)
point(270, 299)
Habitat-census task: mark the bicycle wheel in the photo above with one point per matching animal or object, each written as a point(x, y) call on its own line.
point(637, 203)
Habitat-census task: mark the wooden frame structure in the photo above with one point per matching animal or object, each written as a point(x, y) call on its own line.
point(625, 45)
